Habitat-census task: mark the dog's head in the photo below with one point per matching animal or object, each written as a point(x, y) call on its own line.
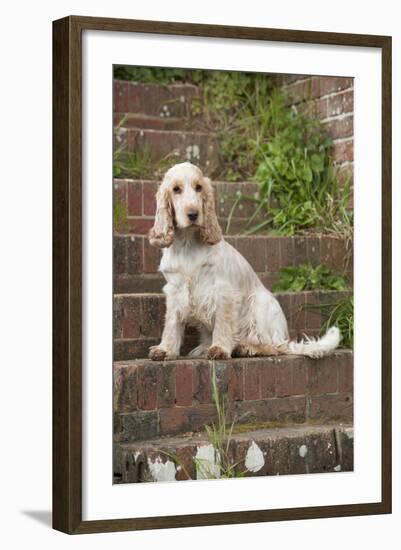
point(185, 199)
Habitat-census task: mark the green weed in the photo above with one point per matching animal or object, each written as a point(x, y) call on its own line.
point(306, 277)
point(339, 313)
point(219, 435)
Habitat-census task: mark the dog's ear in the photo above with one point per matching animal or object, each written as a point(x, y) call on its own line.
point(162, 232)
point(210, 231)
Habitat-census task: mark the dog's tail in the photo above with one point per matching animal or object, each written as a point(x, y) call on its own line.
point(316, 347)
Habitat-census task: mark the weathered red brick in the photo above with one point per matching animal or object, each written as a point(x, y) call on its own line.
point(298, 313)
point(149, 197)
point(120, 96)
point(338, 407)
point(154, 99)
point(186, 464)
point(343, 151)
point(184, 382)
point(140, 226)
point(131, 310)
point(202, 391)
point(340, 127)
point(340, 103)
point(299, 376)
point(323, 376)
point(283, 409)
point(134, 254)
point(252, 381)
point(134, 193)
point(127, 349)
point(125, 394)
point(148, 386)
point(283, 379)
point(151, 257)
point(313, 316)
point(345, 374)
point(119, 255)
point(186, 419)
point(140, 425)
point(286, 251)
point(333, 252)
point(254, 250)
point(132, 120)
point(300, 250)
point(166, 389)
point(152, 313)
point(235, 378)
point(268, 380)
point(313, 250)
point(321, 108)
point(273, 259)
point(324, 85)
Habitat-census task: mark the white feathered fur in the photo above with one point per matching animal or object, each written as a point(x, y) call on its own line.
point(210, 285)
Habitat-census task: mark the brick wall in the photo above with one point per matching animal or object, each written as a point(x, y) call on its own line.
point(331, 100)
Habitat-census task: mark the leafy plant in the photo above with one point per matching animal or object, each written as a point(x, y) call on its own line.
point(339, 313)
point(262, 138)
point(306, 277)
point(286, 152)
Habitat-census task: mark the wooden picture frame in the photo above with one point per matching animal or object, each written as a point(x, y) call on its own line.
point(67, 273)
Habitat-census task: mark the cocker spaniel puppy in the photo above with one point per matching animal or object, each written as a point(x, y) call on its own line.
point(210, 285)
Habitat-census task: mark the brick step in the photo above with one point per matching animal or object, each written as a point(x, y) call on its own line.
point(199, 148)
point(139, 319)
point(163, 101)
point(158, 398)
point(145, 122)
point(136, 199)
point(136, 261)
point(296, 449)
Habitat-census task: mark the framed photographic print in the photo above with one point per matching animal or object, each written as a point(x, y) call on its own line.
point(222, 275)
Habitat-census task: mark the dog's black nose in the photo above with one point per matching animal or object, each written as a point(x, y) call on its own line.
point(193, 215)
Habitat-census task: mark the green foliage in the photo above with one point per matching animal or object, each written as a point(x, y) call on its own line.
point(138, 164)
point(341, 315)
point(235, 107)
point(262, 138)
point(135, 164)
point(286, 152)
point(158, 75)
point(120, 217)
point(149, 75)
point(306, 277)
point(220, 436)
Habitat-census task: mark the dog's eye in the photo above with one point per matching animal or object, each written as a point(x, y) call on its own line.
point(177, 189)
point(198, 188)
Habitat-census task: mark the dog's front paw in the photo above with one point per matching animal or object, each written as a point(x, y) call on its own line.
point(156, 353)
point(217, 352)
